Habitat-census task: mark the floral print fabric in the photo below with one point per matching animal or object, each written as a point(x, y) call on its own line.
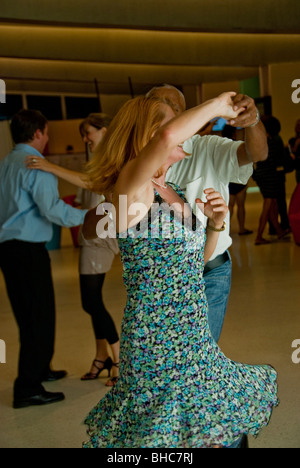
point(176, 387)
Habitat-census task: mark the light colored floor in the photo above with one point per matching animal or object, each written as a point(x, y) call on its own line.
point(263, 320)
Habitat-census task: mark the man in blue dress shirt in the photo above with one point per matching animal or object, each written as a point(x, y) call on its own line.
point(29, 205)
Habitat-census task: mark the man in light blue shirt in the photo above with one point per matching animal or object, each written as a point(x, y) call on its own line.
point(29, 200)
point(29, 205)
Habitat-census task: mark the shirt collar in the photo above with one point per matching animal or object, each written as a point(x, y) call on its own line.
point(27, 149)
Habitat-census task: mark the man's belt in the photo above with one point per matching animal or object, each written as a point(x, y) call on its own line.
point(217, 262)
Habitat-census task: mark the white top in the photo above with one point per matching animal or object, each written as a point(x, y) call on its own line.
point(213, 164)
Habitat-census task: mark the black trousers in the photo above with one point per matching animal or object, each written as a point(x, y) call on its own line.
point(92, 302)
point(27, 272)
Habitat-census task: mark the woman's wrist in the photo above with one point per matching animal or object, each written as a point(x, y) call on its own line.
point(214, 108)
point(216, 227)
point(48, 166)
point(220, 108)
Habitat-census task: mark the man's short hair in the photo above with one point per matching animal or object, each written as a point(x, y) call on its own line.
point(170, 95)
point(25, 123)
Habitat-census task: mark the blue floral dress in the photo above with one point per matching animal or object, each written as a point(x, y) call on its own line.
point(176, 387)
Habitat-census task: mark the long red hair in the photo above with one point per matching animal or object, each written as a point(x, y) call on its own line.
point(129, 132)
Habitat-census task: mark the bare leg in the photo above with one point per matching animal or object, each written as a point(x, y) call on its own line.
point(102, 354)
point(274, 214)
point(241, 214)
point(116, 351)
point(231, 204)
point(115, 369)
point(101, 362)
point(263, 221)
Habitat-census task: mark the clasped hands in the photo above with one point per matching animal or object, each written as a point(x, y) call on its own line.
point(239, 110)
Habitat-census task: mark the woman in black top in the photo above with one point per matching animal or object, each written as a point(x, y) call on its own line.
point(268, 177)
point(295, 149)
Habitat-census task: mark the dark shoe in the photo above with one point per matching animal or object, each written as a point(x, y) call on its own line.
point(43, 398)
point(245, 233)
point(284, 234)
point(262, 242)
point(244, 442)
point(52, 376)
point(104, 365)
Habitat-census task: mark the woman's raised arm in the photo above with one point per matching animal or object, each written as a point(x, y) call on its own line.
point(136, 174)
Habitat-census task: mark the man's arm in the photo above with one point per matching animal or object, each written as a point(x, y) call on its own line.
point(45, 195)
point(255, 147)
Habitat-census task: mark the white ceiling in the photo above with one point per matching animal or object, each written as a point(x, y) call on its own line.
point(64, 46)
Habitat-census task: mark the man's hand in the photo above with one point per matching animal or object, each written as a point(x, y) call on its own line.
point(255, 147)
point(227, 109)
point(248, 116)
point(90, 225)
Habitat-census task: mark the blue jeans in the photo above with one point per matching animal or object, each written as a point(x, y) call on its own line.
point(218, 285)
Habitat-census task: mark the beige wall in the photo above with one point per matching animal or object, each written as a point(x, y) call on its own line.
point(5, 139)
point(112, 103)
point(64, 133)
point(211, 90)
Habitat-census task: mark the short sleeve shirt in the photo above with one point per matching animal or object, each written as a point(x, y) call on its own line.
point(212, 163)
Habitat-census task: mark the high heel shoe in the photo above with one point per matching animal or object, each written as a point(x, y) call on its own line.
point(113, 381)
point(94, 375)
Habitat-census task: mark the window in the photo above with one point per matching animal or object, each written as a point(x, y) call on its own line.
point(49, 106)
point(80, 108)
point(13, 104)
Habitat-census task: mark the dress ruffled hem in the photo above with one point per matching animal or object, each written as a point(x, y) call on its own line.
point(169, 422)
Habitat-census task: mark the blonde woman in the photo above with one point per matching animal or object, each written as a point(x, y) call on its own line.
point(96, 256)
point(176, 388)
